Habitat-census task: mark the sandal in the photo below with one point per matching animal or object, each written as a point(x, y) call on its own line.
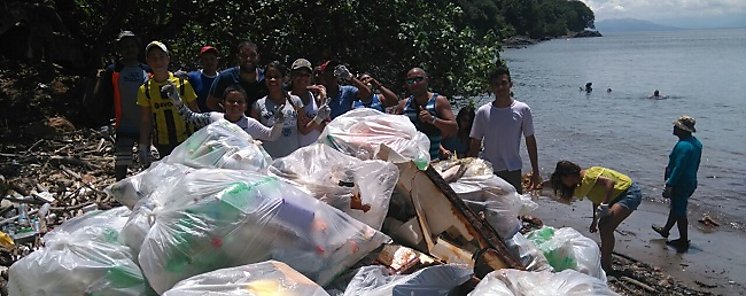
point(660, 231)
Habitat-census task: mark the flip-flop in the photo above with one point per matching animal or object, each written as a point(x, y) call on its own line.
point(660, 231)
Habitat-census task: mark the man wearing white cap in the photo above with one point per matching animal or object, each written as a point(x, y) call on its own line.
point(158, 114)
point(681, 180)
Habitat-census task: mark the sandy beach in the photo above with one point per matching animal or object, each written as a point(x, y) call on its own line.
point(715, 258)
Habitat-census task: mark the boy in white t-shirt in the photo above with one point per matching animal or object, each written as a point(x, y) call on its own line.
point(498, 126)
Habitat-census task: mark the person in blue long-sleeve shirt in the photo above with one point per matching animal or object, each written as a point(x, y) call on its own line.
point(681, 180)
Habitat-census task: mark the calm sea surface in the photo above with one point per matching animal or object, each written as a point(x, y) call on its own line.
point(701, 73)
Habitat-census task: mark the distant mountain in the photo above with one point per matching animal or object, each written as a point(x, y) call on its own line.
point(630, 25)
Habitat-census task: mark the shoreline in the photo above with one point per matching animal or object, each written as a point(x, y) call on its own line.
point(521, 41)
point(714, 263)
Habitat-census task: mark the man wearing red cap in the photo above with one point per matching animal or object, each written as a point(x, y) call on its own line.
point(201, 80)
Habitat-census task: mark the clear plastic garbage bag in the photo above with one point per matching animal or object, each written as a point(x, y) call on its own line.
point(82, 257)
point(361, 132)
point(221, 144)
point(135, 188)
point(362, 189)
point(511, 282)
point(222, 218)
point(529, 255)
point(258, 279)
point(566, 248)
point(375, 280)
point(485, 192)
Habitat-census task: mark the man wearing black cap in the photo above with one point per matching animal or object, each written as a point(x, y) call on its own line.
point(118, 86)
point(341, 97)
point(247, 74)
point(202, 80)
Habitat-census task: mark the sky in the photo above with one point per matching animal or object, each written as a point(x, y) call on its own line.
point(679, 13)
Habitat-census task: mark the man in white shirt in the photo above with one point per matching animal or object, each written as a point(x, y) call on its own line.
point(498, 126)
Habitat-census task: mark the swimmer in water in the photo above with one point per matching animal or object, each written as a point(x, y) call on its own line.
point(608, 90)
point(656, 95)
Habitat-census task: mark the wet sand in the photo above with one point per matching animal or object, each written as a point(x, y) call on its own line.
point(716, 256)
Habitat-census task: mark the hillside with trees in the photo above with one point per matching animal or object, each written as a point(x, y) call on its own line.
point(56, 46)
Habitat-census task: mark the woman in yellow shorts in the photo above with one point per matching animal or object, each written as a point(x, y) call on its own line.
point(614, 196)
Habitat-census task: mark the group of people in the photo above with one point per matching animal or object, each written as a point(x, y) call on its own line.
point(288, 109)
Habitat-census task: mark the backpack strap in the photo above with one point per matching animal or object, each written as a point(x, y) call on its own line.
point(147, 90)
point(181, 86)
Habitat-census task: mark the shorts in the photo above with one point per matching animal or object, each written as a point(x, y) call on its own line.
point(629, 199)
point(680, 200)
point(512, 177)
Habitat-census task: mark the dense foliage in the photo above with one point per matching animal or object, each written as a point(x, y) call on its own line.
point(456, 41)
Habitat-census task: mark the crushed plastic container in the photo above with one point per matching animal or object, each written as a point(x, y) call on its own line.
point(362, 189)
point(375, 280)
point(265, 278)
point(81, 257)
point(511, 282)
point(566, 248)
point(362, 132)
point(222, 218)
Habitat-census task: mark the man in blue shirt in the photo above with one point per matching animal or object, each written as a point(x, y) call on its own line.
point(247, 74)
point(681, 180)
point(202, 80)
point(341, 97)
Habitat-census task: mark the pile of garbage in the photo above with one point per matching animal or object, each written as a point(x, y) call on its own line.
point(218, 215)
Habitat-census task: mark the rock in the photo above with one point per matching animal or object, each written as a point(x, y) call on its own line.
point(518, 42)
point(586, 34)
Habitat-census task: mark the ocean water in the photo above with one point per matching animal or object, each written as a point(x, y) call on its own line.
point(699, 73)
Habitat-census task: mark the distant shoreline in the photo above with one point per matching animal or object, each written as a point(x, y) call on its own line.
point(525, 41)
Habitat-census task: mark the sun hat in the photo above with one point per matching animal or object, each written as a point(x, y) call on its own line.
point(686, 123)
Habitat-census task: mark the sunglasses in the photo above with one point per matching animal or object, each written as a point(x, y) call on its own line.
point(414, 80)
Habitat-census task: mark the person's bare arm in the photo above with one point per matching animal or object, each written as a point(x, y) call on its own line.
point(192, 105)
point(445, 122)
point(212, 103)
point(362, 90)
point(474, 147)
point(608, 185)
point(145, 125)
point(388, 98)
point(533, 156)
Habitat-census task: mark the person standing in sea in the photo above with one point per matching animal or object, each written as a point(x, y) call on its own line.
point(681, 180)
point(499, 125)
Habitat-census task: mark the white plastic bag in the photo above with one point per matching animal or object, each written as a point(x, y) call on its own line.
point(566, 248)
point(485, 192)
point(135, 188)
point(338, 179)
point(221, 144)
point(222, 218)
point(529, 255)
point(375, 280)
point(361, 132)
point(511, 282)
point(82, 257)
point(265, 278)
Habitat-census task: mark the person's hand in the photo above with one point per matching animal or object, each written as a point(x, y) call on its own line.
point(534, 181)
point(425, 116)
point(172, 93)
point(279, 116)
point(320, 92)
point(447, 154)
point(323, 114)
point(602, 210)
point(667, 192)
point(182, 74)
point(594, 226)
point(143, 155)
point(340, 71)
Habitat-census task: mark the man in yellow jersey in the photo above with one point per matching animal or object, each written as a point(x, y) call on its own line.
point(157, 112)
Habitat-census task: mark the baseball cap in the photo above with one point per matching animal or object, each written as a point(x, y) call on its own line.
point(208, 48)
point(328, 66)
point(156, 44)
point(301, 64)
point(125, 34)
